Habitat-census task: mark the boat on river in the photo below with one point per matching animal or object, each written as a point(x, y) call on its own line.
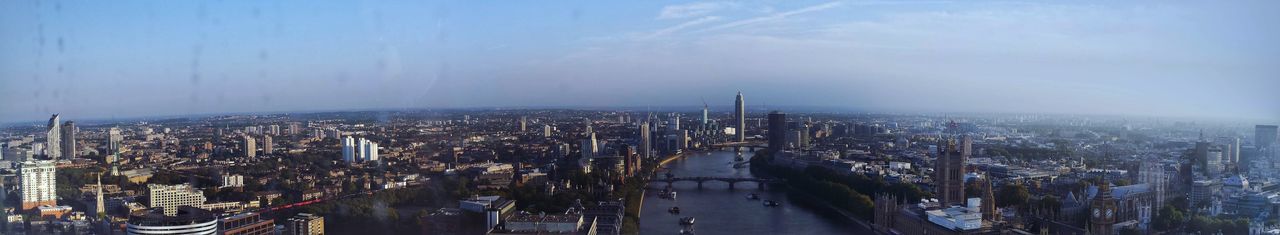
point(674, 210)
point(686, 220)
point(771, 203)
point(753, 196)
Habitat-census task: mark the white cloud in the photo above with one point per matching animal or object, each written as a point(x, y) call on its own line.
point(693, 9)
point(669, 30)
point(776, 16)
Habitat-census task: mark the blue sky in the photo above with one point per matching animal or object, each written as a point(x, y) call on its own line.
point(104, 59)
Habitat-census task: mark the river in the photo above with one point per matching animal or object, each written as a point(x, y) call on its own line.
point(719, 210)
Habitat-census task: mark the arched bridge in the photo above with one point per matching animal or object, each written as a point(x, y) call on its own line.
point(699, 179)
point(750, 145)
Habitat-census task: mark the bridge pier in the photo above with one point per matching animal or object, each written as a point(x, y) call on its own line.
point(731, 185)
point(760, 185)
point(699, 184)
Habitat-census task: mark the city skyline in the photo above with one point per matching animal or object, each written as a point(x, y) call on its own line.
point(1158, 59)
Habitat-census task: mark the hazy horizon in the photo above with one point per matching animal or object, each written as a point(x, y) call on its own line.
point(129, 59)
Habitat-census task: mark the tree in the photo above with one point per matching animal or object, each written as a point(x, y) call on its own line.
point(1012, 195)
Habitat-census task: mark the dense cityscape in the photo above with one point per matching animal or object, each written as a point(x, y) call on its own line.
point(578, 171)
point(710, 117)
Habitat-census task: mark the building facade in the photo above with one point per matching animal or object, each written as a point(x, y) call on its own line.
point(39, 184)
point(170, 197)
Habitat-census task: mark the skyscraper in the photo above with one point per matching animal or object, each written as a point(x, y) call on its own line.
point(546, 131)
point(348, 149)
point(740, 109)
point(524, 124)
point(53, 142)
point(250, 148)
point(113, 140)
point(69, 140)
point(267, 145)
point(1264, 136)
point(705, 110)
point(646, 144)
point(949, 172)
point(777, 131)
point(39, 184)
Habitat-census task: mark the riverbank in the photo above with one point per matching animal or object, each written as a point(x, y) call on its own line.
point(633, 210)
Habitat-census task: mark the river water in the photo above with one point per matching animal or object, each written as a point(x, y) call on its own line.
point(719, 210)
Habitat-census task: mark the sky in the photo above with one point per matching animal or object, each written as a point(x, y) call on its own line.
point(118, 59)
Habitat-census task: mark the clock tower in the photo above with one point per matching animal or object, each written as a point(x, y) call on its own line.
point(1102, 211)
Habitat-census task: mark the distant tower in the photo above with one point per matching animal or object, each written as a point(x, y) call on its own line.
point(53, 143)
point(348, 149)
point(705, 110)
point(101, 206)
point(361, 149)
point(369, 150)
point(524, 124)
point(69, 140)
point(740, 109)
point(546, 131)
point(646, 144)
point(267, 145)
point(114, 139)
point(777, 131)
point(949, 173)
point(250, 148)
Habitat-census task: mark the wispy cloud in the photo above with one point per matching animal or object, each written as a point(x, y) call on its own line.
point(775, 16)
point(669, 30)
point(693, 9)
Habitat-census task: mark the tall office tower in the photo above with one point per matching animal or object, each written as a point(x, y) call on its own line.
point(1213, 162)
point(546, 131)
point(295, 128)
point(69, 140)
point(369, 150)
point(777, 131)
point(705, 110)
point(1264, 136)
point(53, 145)
point(170, 197)
point(39, 184)
point(805, 134)
point(740, 109)
point(673, 122)
point(646, 141)
point(348, 149)
point(589, 130)
point(267, 145)
point(250, 148)
point(949, 173)
point(114, 139)
point(524, 124)
point(275, 129)
point(1230, 149)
